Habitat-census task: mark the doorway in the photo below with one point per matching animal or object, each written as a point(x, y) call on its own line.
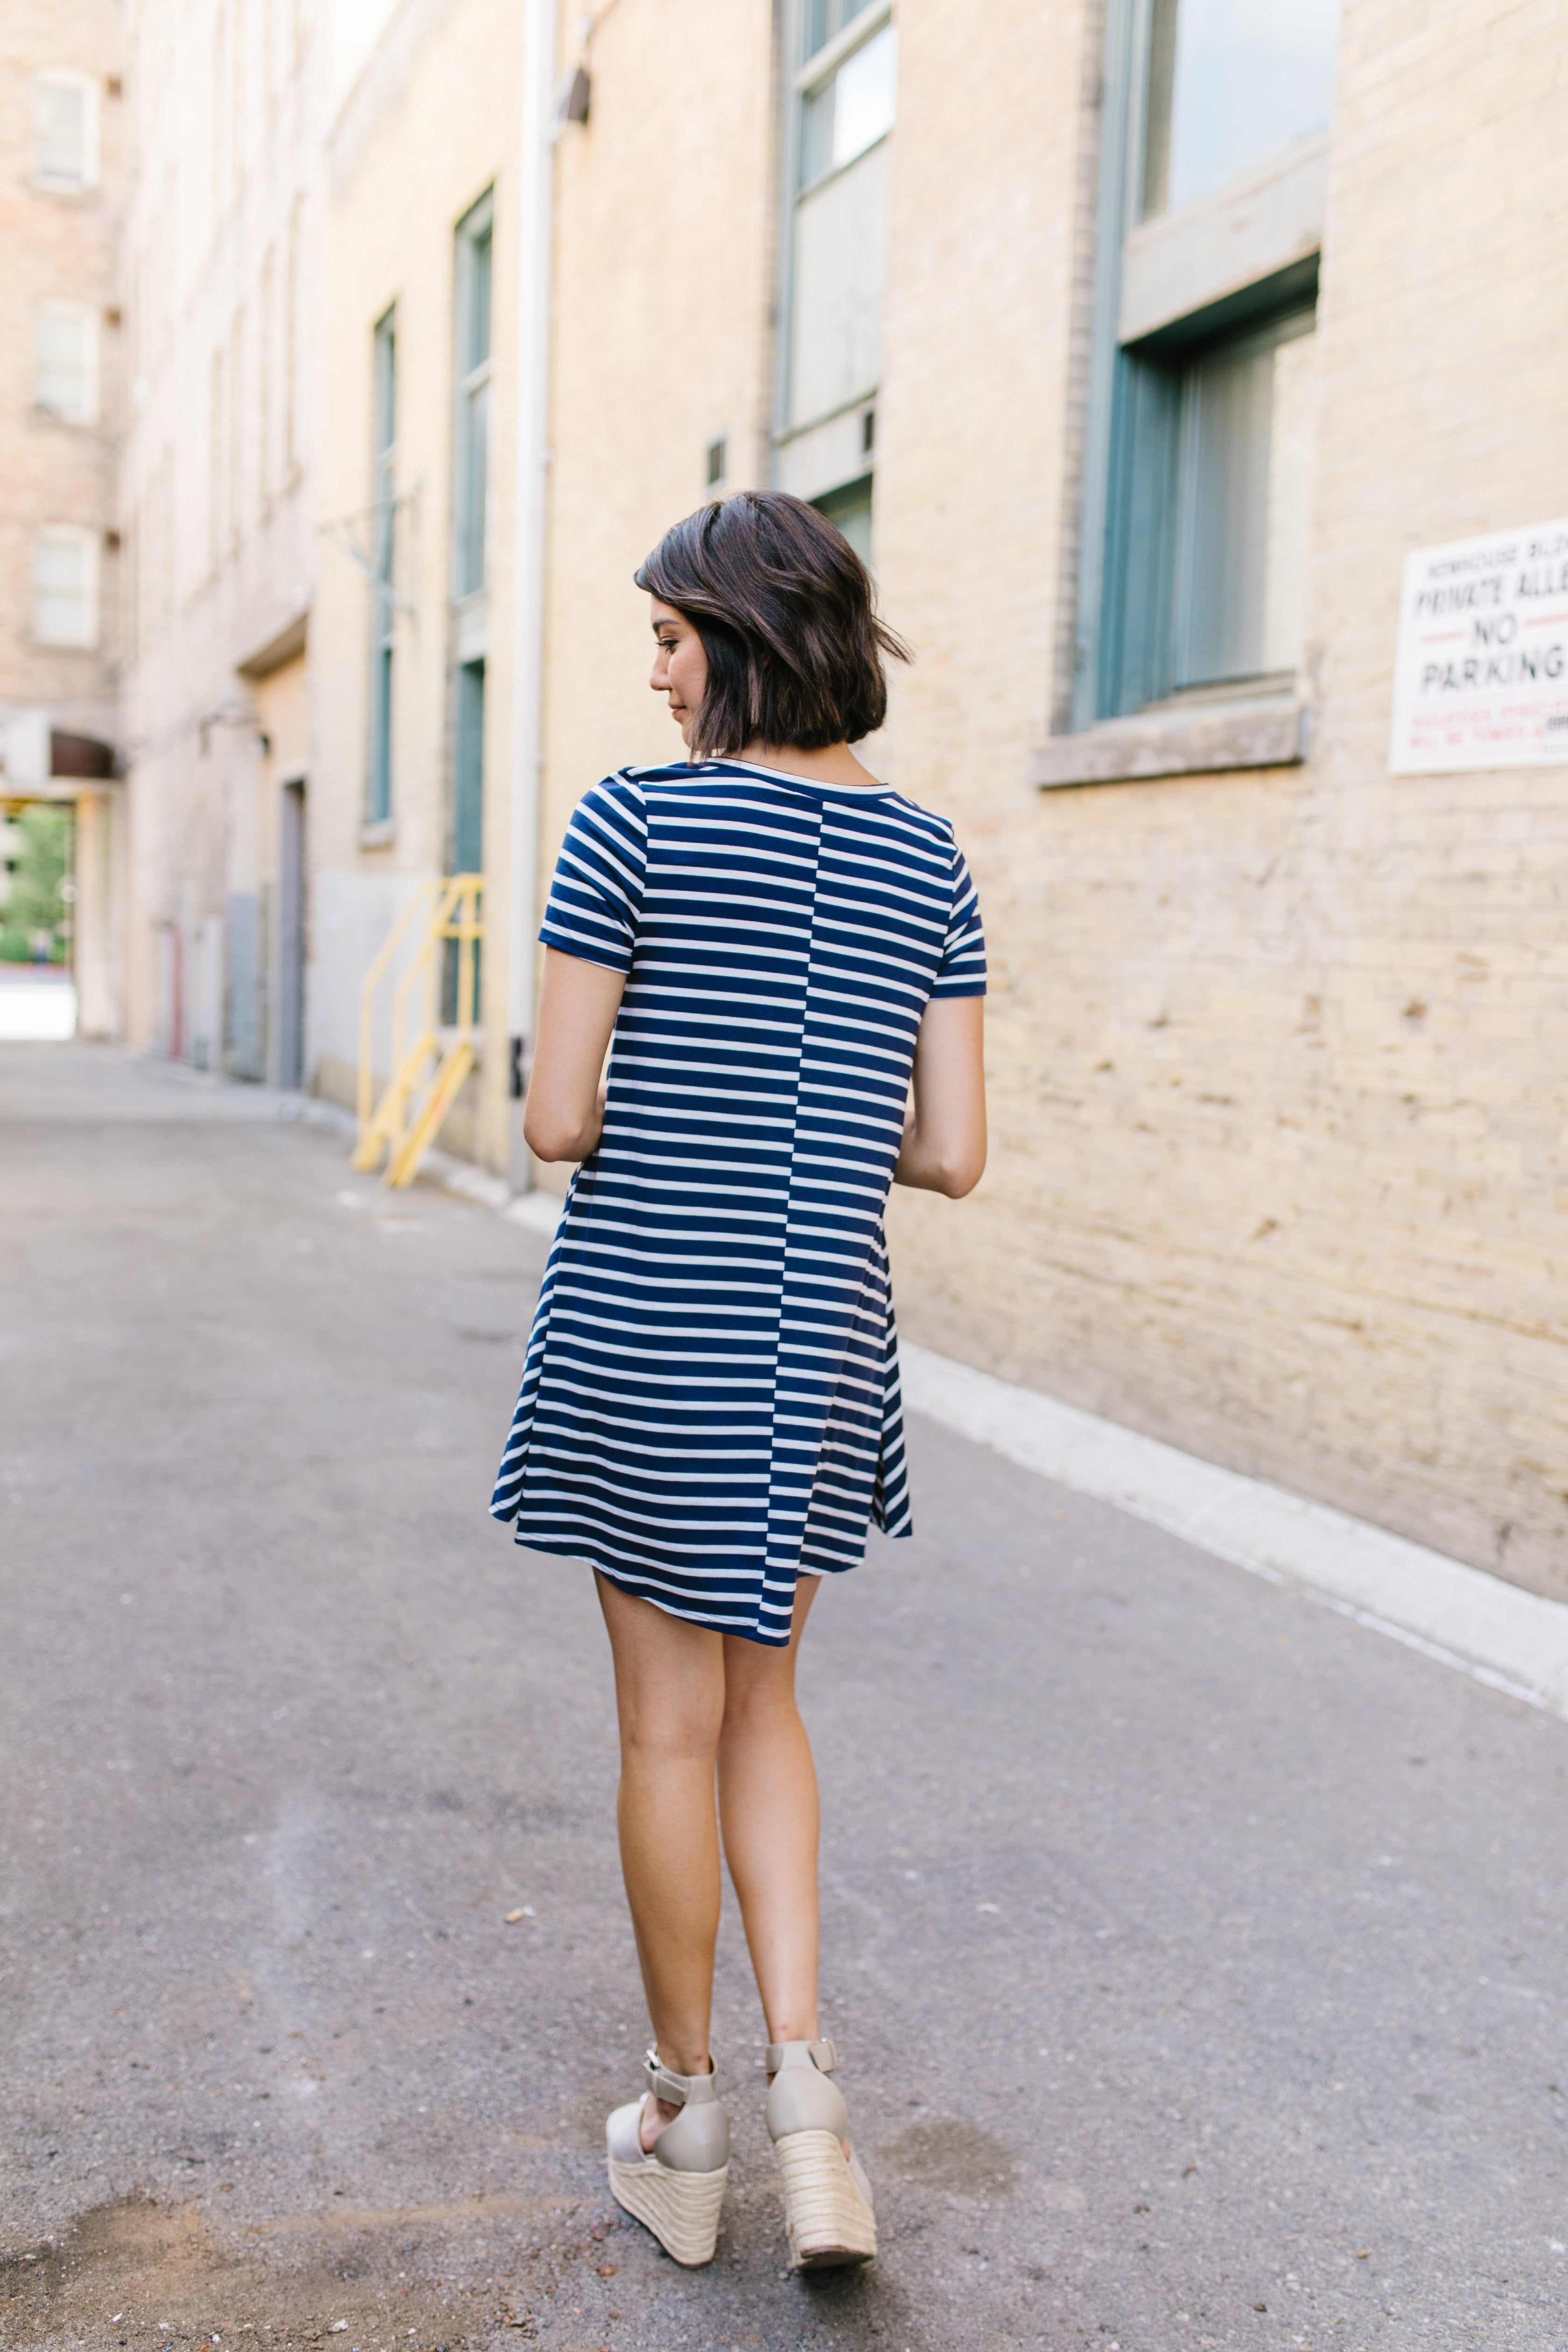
point(291, 938)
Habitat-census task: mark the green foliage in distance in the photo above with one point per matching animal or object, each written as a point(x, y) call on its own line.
point(34, 902)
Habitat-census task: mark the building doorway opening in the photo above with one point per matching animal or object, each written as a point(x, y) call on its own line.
point(291, 937)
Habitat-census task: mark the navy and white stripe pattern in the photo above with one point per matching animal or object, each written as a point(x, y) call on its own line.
point(710, 1399)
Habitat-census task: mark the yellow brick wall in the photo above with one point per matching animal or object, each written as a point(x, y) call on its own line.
point(1276, 1060)
point(435, 122)
point(58, 247)
point(663, 290)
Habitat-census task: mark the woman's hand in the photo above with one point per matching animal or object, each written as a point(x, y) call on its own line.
point(565, 1114)
point(944, 1135)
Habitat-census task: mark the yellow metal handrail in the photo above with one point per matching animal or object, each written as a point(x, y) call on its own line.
point(428, 1068)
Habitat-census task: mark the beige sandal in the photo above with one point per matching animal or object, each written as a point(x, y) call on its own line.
point(828, 2211)
point(676, 2186)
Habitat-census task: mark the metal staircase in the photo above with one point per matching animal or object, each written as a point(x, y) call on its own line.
point(430, 1058)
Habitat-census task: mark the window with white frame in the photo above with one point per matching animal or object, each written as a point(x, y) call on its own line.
point(65, 586)
point(841, 101)
point(65, 360)
point(65, 131)
point(470, 486)
point(1203, 427)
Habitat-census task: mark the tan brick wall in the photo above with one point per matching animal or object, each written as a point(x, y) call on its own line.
point(1276, 1060)
point(1277, 1107)
point(435, 122)
point(218, 510)
point(56, 247)
point(665, 224)
point(662, 339)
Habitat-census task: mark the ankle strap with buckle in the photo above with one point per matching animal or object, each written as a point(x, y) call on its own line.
point(823, 2056)
point(679, 2090)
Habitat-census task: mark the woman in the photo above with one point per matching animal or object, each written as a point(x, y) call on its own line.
point(770, 943)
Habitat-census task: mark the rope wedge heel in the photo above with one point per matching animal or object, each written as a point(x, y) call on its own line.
point(676, 2187)
point(828, 2213)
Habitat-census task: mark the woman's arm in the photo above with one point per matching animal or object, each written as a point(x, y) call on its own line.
point(564, 1114)
point(944, 1135)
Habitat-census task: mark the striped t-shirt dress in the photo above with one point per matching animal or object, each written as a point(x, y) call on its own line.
point(710, 1401)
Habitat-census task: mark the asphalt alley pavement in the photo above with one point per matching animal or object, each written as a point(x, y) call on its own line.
point(1198, 1958)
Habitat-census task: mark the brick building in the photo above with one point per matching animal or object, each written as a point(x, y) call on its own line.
point(1164, 334)
point(220, 249)
point(1139, 342)
point(62, 196)
point(423, 295)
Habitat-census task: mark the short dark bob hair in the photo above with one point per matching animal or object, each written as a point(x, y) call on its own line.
point(788, 615)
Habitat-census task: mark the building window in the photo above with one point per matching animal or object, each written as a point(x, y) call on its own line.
point(850, 110)
point(468, 798)
point(65, 131)
point(718, 452)
point(65, 360)
point(1202, 432)
point(850, 507)
point(1229, 83)
point(384, 551)
point(841, 101)
point(1243, 474)
point(470, 490)
point(65, 586)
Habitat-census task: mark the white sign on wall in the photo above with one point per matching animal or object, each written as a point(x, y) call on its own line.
point(1482, 674)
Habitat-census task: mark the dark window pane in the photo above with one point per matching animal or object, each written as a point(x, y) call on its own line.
point(473, 489)
point(850, 510)
point(469, 795)
point(380, 805)
point(387, 381)
point(479, 304)
point(1225, 421)
point(826, 19)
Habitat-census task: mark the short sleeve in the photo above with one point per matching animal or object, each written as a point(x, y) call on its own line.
point(962, 972)
point(595, 895)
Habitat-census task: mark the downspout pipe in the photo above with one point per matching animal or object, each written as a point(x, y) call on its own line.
point(534, 244)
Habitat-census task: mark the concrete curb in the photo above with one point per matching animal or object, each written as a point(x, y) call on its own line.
point(1514, 1640)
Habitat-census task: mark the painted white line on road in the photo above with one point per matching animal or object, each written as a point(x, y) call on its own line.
point(1514, 1640)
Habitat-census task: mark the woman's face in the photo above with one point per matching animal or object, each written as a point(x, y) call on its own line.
point(680, 665)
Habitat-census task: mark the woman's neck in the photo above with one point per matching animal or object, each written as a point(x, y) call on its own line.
point(836, 765)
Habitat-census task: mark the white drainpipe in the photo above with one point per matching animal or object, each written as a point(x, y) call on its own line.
point(535, 195)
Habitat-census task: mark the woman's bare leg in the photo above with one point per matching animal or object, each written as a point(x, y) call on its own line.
point(767, 1801)
point(669, 1698)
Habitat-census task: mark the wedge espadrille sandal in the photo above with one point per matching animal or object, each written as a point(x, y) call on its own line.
point(828, 2213)
point(676, 2187)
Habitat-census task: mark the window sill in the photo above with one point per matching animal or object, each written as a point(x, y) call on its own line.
point(1188, 262)
point(380, 835)
point(1200, 742)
